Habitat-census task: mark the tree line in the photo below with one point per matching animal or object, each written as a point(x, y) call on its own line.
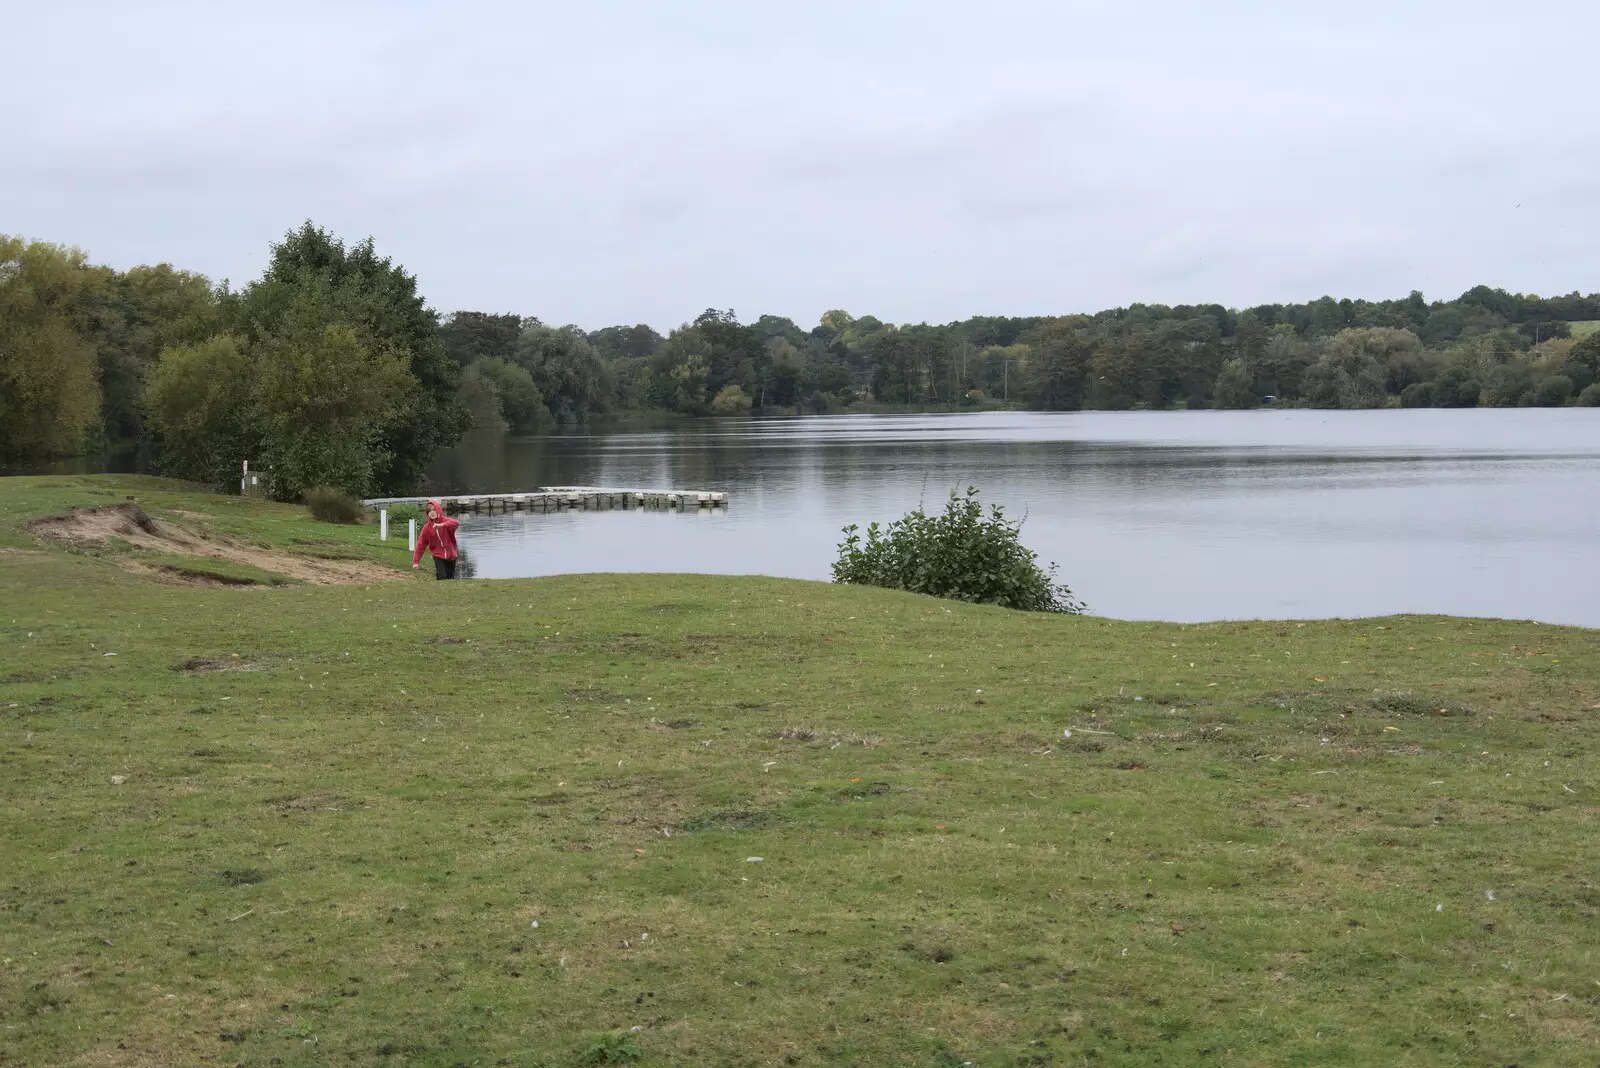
point(331, 369)
point(1487, 347)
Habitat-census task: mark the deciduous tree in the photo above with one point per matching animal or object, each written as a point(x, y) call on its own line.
point(49, 384)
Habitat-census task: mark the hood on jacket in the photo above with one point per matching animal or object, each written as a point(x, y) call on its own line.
point(434, 506)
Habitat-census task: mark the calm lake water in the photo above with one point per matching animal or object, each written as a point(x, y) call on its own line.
point(1161, 515)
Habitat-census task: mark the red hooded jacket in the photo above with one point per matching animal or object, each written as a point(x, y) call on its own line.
point(439, 538)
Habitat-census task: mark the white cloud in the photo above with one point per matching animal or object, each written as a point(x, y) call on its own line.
point(632, 160)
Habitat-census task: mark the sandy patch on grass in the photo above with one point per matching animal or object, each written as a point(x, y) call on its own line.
point(93, 528)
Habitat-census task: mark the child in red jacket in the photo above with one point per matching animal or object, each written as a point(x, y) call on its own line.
point(439, 538)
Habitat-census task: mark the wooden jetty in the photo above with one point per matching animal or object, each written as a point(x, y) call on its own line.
point(565, 499)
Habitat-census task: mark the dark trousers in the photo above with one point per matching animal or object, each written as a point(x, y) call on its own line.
point(444, 569)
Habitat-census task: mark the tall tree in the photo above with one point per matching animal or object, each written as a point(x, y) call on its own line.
point(201, 400)
point(1235, 387)
point(518, 403)
point(324, 399)
point(565, 369)
point(378, 300)
point(472, 335)
point(1115, 371)
point(785, 367)
point(626, 342)
point(146, 309)
point(49, 382)
point(1057, 370)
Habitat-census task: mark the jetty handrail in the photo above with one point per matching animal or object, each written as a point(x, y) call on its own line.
point(383, 502)
point(563, 498)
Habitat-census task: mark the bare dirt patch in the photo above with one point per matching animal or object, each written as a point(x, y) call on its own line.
point(191, 576)
point(209, 663)
point(94, 528)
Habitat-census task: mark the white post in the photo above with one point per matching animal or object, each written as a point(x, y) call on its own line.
point(411, 535)
point(383, 524)
point(244, 477)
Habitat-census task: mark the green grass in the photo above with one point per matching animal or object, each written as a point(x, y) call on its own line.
point(312, 825)
point(1582, 330)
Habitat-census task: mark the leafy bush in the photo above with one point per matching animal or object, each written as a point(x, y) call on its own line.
point(329, 505)
point(1235, 387)
point(962, 555)
point(1417, 395)
point(1590, 397)
point(1456, 388)
point(400, 513)
point(1553, 392)
point(731, 400)
point(612, 1048)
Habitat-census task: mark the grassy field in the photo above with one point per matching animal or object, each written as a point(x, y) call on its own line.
point(316, 824)
point(1584, 329)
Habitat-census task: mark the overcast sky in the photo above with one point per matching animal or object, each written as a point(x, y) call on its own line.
point(640, 160)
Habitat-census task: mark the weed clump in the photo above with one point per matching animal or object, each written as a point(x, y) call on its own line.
point(1402, 703)
point(612, 1048)
point(962, 555)
point(330, 505)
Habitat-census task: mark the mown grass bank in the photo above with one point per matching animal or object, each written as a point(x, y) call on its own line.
point(312, 825)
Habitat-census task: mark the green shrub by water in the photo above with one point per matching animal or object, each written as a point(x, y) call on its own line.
point(329, 505)
point(400, 513)
point(962, 554)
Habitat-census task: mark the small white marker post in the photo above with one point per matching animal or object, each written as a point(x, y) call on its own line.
point(411, 535)
point(383, 524)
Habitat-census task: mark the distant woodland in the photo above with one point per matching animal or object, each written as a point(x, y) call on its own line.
point(332, 369)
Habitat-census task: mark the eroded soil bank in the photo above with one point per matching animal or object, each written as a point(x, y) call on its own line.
point(96, 530)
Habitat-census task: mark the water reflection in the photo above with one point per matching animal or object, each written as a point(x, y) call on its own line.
point(119, 461)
